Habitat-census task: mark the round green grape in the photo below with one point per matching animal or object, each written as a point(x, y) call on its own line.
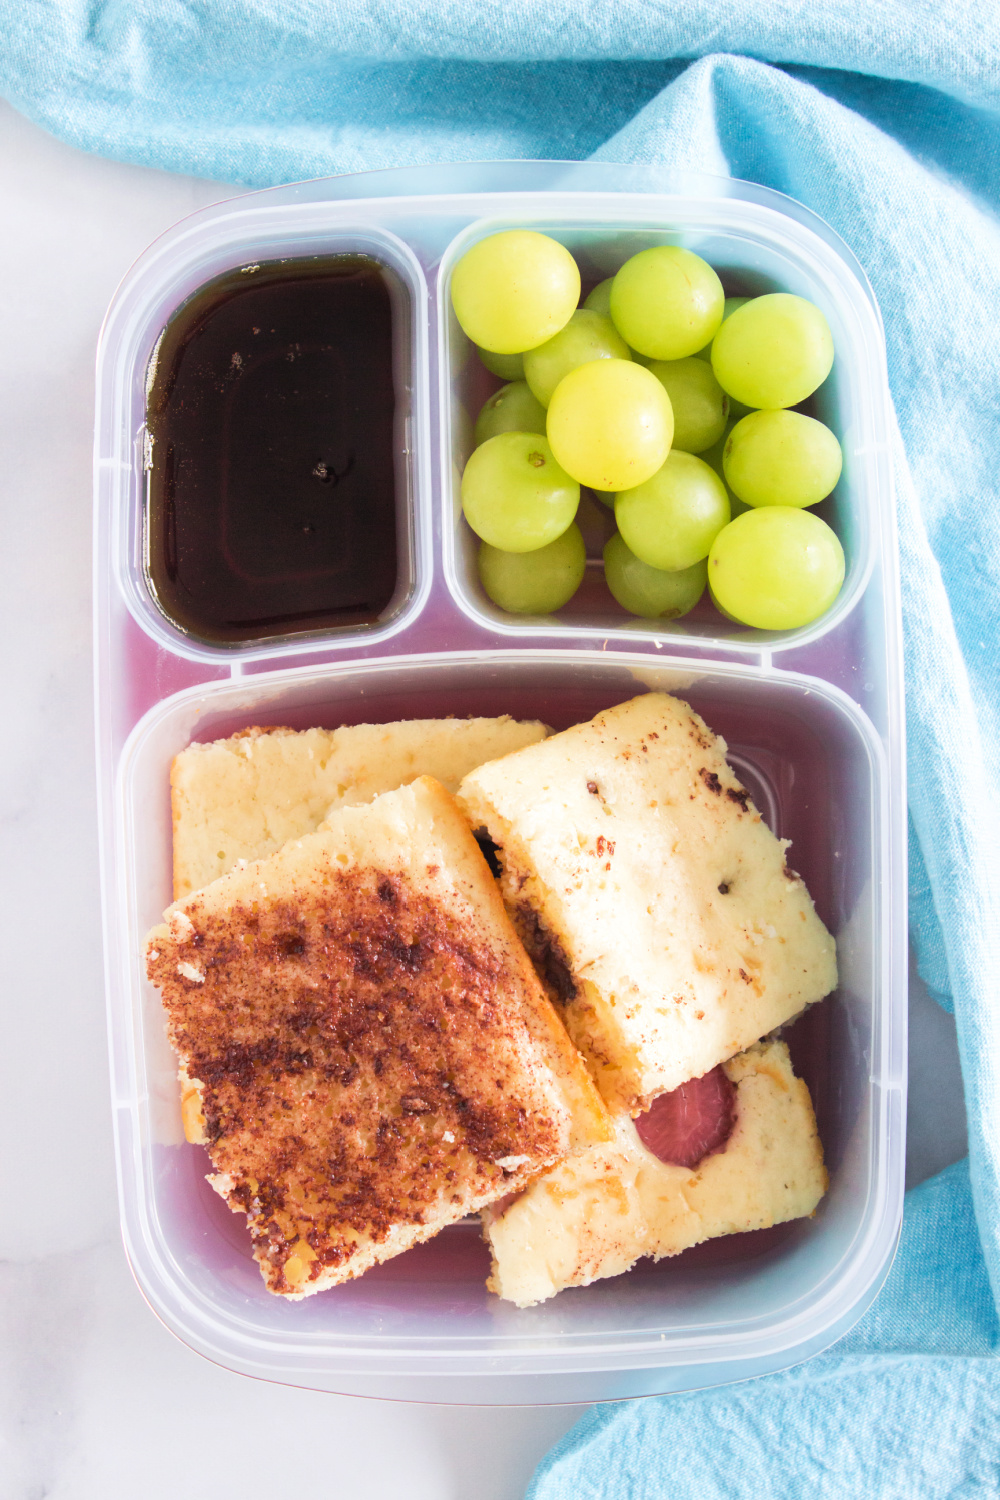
point(587, 336)
point(776, 568)
point(606, 497)
point(510, 409)
point(729, 306)
point(667, 302)
point(515, 495)
point(773, 352)
point(507, 366)
point(538, 582)
point(514, 290)
point(714, 458)
point(781, 458)
point(599, 300)
point(610, 424)
point(651, 592)
point(672, 520)
point(700, 405)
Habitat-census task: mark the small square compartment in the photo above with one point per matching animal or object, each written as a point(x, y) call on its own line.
point(755, 250)
point(257, 243)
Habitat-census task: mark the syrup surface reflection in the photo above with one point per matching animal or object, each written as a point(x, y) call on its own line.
point(271, 505)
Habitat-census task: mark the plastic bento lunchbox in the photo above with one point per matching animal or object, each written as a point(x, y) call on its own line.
point(813, 720)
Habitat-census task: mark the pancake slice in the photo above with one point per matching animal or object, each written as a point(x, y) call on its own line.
point(365, 1048)
point(245, 796)
point(596, 1214)
point(655, 901)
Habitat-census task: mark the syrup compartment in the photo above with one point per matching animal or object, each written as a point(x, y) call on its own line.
point(423, 1327)
point(178, 271)
point(755, 247)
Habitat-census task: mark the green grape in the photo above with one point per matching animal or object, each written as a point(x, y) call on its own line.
point(737, 409)
point(773, 352)
point(610, 424)
point(510, 409)
point(538, 582)
point(781, 458)
point(587, 336)
point(651, 592)
point(699, 403)
point(775, 568)
point(672, 520)
point(714, 458)
point(515, 495)
point(666, 302)
point(599, 300)
point(514, 290)
point(606, 497)
point(507, 366)
point(729, 306)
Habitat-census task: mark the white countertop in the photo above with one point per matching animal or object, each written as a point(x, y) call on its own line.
point(97, 1400)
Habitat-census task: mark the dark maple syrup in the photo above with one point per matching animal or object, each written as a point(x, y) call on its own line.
point(272, 486)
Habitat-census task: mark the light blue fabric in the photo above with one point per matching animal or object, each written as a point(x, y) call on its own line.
point(906, 1407)
point(885, 119)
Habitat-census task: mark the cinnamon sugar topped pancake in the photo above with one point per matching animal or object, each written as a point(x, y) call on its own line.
point(365, 1048)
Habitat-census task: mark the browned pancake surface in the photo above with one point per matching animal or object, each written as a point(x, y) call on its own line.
point(364, 1048)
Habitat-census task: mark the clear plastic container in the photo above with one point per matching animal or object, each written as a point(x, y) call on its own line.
point(813, 719)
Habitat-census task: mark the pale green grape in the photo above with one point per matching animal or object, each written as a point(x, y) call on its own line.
point(507, 366)
point(737, 409)
point(651, 592)
point(714, 458)
point(666, 302)
point(515, 495)
point(610, 424)
point(776, 568)
point(729, 306)
point(606, 497)
point(781, 458)
point(514, 290)
point(510, 409)
point(538, 582)
point(773, 352)
point(672, 520)
point(599, 300)
point(700, 405)
point(587, 336)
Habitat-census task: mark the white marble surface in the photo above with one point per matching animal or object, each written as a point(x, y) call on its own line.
point(97, 1400)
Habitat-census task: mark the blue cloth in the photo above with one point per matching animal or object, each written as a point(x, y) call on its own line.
point(884, 118)
point(906, 1407)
